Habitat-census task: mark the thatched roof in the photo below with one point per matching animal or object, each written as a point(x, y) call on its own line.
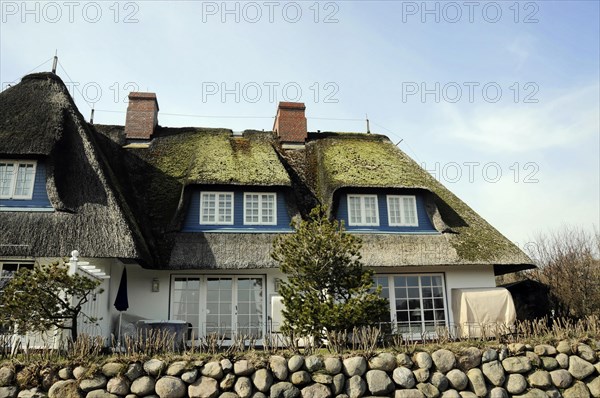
point(39, 119)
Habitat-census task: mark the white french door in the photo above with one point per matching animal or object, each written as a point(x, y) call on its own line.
point(225, 305)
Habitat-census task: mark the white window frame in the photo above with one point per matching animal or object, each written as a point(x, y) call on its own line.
point(217, 222)
point(362, 222)
point(19, 263)
point(16, 163)
point(392, 300)
point(403, 216)
point(260, 208)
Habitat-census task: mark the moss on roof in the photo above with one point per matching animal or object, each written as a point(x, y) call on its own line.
point(215, 156)
point(360, 160)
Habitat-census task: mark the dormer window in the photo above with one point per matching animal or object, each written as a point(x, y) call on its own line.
point(216, 208)
point(363, 210)
point(402, 211)
point(260, 208)
point(16, 179)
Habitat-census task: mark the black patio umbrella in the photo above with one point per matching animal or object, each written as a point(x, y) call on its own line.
point(121, 301)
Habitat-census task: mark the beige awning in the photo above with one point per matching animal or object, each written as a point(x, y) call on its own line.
point(483, 312)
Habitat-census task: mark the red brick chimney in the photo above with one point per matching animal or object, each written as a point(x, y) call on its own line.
point(290, 122)
point(142, 115)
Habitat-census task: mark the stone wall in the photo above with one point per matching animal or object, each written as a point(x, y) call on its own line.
point(570, 370)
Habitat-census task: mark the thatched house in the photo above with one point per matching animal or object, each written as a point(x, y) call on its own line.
point(192, 212)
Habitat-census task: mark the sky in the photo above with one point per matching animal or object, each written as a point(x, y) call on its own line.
point(499, 100)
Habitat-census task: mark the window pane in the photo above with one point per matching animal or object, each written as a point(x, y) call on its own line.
point(371, 210)
point(410, 216)
point(208, 205)
point(6, 177)
point(354, 216)
point(251, 209)
point(25, 176)
point(394, 210)
point(268, 209)
point(225, 208)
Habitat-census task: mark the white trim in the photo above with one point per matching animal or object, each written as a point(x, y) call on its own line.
point(362, 222)
point(217, 222)
point(260, 208)
point(403, 215)
point(12, 188)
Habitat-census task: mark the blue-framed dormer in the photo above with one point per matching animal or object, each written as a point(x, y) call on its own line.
point(383, 211)
point(23, 185)
point(237, 209)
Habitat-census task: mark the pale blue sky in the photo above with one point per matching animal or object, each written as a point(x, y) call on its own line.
point(350, 58)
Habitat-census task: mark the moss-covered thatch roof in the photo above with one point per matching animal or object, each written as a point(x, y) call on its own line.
point(39, 119)
point(360, 160)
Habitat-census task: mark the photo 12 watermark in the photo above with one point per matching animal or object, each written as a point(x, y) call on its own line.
point(489, 172)
point(271, 92)
point(69, 11)
point(471, 92)
point(270, 11)
point(490, 12)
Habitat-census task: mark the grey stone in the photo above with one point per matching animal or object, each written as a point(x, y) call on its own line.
point(597, 366)
point(516, 365)
point(404, 360)
point(429, 390)
point(134, 371)
point(378, 382)
point(457, 379)
point(450, 394)
point(313, 363)
point(532, 393)
point(322, 378)
point(421, 375)
point(467, 394)
point(516, 348)
point(8, 392)
point(594, 387)
point(414, 393)
point(112, 369)
point(563, 360)
point(229, 394)
point(243, 387)
point(315, 391)
point(470, 358)
point(534, 359)
point(444, 360)
point(383, 361)
point(176, 368)
point(515, 383)
point(564, 347)
point(423, 360)
point(257, 394)
point(32, 393)
point(586, 352)
point(561, 378)
point(578, 390)
point(212, 369)
point(100, 394)
point(118, 385)
point(440, 381)
point(494, 372)
point(355, 386)
point(404, 377)
point(49, 377)
point(79, 372)
point(228, 382)
point(7, 375)
point(540, 379)
point(580, 368)
point(284, 389)
point(333, 366)
point(355, 366)
point(544, 350)
point(498, 392)
point(489, 355)
point(204, 387)
point(93, 383)
point(553, 393)
point(243, 367)
point(154, 367)
point(300, 378)
point(64, 373)
point(170, 387)
point(190, 376)
point(549, 363)
point(477, 382)
point(503, 353)
point(226, 365)
point(64, 389)
point(339, 381)
point(279, 367)
point(143, 386)
point(262, 380)
point(295, 363)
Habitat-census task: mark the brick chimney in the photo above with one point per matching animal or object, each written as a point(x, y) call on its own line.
point(142, 116)
point(290, 122)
